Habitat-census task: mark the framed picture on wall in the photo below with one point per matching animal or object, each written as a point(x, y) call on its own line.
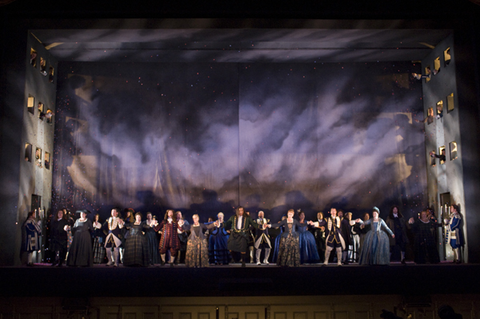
point(453, 150)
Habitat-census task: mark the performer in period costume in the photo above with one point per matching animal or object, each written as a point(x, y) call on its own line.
point(334, 236)
point(113, 229)
point(58, 238)
point(98, 241)
point(354, 249)
point(320, 238)
point(136, 247)
point(251, 240)
point(346, 230)
point(362, 230)
point(81, 250)
point(398, 225)
point(70, 221)
point(30, 236)
point(183, 237)
point(128, 218)
point(169, 240)
point(455, 233)
point(152, 241)
point(308, 247)
point(197, 246)
point(376, 248)
point(239, 226)
point(217, 243)
point(289, 248)
point(262, 239)
point(277, 241)
point(425, 247)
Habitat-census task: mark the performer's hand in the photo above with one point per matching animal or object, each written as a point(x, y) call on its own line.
point(411, 221)
point(393, 235)
point(357, 220)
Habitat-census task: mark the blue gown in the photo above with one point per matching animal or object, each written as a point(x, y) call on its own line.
point(217, 246)
point(376, 246)
point(308, 247)
point(277, 244)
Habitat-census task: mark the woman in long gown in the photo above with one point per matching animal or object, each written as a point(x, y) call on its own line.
point(289, 247)
point(197, 246)
point(152, 241)
point(136, 247)
point(308, 247)
point(217, 243)
point(80, 254)
point(376, 247)
point(99, 252)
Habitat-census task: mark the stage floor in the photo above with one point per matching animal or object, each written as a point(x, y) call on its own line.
point(234, 280)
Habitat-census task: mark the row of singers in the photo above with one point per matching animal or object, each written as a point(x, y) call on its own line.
point(217, 242)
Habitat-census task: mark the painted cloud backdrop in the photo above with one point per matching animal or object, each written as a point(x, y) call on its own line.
point(208, 137)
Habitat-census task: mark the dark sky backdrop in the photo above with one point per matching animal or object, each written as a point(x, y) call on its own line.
point(207, 137)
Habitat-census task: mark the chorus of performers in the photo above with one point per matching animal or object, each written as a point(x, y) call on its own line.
point(136, 240)
point(217, 243)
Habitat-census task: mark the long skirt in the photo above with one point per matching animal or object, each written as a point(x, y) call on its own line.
point(275, 248)
point(152, 244)
point(197, 253)
point(98, 250)
point(81, 250)
point(308, 248)
point(69, 239)
point(136, 251)
point(376, 249)
point(218, 251)
point(289, 252)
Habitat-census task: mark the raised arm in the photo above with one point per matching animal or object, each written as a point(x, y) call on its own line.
point(387, 229)
point(228, 224)
point(159, 226)
point(280, 223)
point(252, 222)
point(209, 225)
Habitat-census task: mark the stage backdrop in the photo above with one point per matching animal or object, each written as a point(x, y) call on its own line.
point(205, 138)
